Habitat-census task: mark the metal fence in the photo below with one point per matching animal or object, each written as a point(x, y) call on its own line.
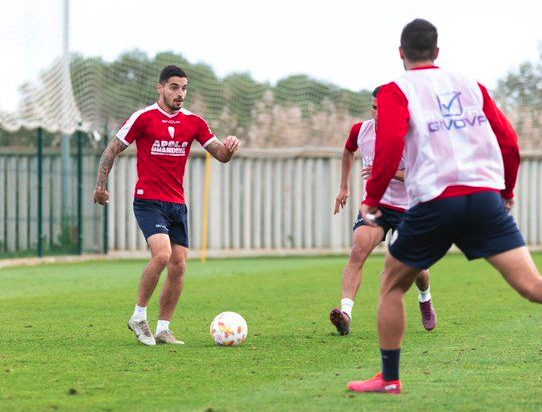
point(263, 201)
point(69, 224)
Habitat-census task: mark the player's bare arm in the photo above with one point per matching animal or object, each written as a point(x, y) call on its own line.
point(113, 149)
point(224, 151)
point(399, 175)
point(366, 174)
point(346, 168)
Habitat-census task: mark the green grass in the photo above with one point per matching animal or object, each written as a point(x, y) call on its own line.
point(64, 344)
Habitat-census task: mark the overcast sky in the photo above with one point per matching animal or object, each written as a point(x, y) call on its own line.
point(350, 43)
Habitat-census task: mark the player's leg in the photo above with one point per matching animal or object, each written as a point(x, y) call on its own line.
point(152, 221)
point(423, 237)
point(173, 285)
point(171, 292)
point(519, 270)
point(429, 317)
point(160, 247)
point(493, 235)
point(425, 303)
point(176, 267)
point(422, 281)
point(395, 282)
point(365, 239)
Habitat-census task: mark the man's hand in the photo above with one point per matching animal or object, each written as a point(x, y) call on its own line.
point(232, 144)
point(101, 196)
point(223, 151)
point(369, 214)
point(340, 202)
point(508, 204)
point(366, 172)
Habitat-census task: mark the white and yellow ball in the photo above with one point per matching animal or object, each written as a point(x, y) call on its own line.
point(229, 329)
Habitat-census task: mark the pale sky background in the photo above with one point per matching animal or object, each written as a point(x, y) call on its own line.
point(349, 43)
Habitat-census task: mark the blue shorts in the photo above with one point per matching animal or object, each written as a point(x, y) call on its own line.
point(389, 220)
point(156, 216)
point(478, 224)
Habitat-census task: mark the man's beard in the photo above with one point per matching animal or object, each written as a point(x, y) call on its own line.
point(172, 105)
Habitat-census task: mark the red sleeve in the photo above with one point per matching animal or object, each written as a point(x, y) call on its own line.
point(204, 135)
point(392, 127)
point(131, 128)
point(352, 142)
point(508, 142)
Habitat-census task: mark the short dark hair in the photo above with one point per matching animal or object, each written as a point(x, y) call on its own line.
point(419, 40)
point(171, 71)
point(375, 91)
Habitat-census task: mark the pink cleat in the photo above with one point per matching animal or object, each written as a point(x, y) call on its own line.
point(376, 384)
point(429, 317)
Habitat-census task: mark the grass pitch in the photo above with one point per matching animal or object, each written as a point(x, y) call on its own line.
point(64, 344)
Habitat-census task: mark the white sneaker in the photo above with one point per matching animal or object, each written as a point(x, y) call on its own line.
point(142, 331)
point(167, 337)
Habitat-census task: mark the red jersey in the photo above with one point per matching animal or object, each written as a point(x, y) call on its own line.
point(163, 143)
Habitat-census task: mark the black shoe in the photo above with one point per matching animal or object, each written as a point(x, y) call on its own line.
point(340, 320)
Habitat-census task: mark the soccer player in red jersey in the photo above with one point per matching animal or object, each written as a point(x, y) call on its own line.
point(462, 160)
point(392, 205)
point(163, 133)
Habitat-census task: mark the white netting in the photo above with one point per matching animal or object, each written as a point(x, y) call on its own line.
point(63, 90)
point(37, 90)
point(296, 111)
point(50, 85)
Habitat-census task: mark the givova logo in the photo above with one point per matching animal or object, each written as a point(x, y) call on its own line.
point(450, 104)
point(453, 115)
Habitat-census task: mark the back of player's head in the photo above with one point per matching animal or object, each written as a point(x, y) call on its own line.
point(419, 40)
point(375, 91)
point(171, 71)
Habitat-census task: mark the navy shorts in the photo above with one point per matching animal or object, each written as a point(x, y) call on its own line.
point(389, 220)
point(478, 224)
point(156, 216)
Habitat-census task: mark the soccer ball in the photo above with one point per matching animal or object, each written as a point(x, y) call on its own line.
point(229, 329)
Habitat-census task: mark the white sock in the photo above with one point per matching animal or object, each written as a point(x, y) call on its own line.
point(161, 326)
point(425, 295)
point(346, 306)
point(140, 313)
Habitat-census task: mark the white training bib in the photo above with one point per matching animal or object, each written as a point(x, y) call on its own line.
point(449, 141)
point(395, 194)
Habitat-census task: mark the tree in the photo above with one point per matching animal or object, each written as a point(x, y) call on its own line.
point(520, 96)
